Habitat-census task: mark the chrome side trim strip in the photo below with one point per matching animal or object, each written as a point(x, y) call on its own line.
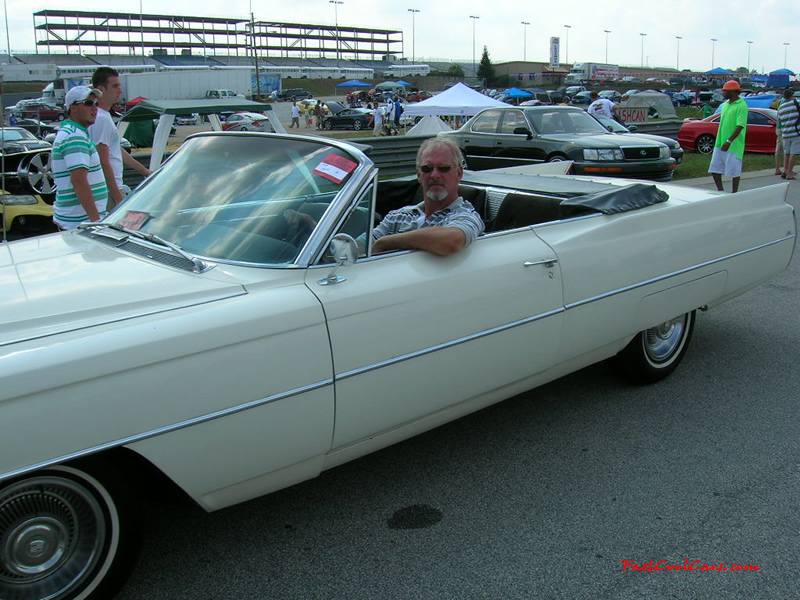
point(445, 345)
point(674, 273)
point(169, 428)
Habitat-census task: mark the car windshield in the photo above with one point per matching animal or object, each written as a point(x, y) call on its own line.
point(226, 197)
point(559, 121)
point(12, 135)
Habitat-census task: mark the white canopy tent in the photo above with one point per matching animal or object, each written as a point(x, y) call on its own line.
point(429, 125)
point(460, 100)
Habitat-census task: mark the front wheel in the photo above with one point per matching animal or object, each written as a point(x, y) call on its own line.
point(705, 144)
point(655, 353)
point(557, 158)
point(357, 125)
point(64, 534)
point(328, 125)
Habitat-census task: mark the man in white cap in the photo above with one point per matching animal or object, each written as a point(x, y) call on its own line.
point(81, 192)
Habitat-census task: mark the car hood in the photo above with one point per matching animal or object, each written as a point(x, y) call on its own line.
point(658, 138)
point(63, 282)
point(600, 140)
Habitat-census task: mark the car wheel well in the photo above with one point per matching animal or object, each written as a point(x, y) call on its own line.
point(557, 157)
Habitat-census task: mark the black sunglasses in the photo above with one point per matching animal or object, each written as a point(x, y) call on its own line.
point(87, 103)
point(430, 168)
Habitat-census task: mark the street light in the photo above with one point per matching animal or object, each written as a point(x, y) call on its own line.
point(606, 31)
point(749, 45)
point(336, 4)
point(713, 41)
point(474, 64)
point(413, 12)
point(524, 40)
point(644, 35)
point(785, 53)
point(678, 55)
point(567, 27)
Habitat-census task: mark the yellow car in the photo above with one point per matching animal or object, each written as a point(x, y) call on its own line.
point(27, 195)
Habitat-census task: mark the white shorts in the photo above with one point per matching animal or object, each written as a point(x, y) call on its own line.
point(791, 145)
point(725, 163)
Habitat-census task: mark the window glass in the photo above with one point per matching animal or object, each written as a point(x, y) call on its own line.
point(487, 122)
point(513, 119)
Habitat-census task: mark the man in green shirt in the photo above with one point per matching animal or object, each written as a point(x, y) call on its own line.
point(729, 147)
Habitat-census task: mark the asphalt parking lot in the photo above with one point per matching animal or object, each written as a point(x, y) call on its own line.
point(554, 494)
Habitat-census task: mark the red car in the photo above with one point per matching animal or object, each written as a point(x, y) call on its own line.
point(700, 134)
point(418, 96)
point(44, 112)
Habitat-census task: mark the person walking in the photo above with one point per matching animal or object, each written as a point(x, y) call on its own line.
point(377, 117)
point(729, 148)
point(81, 192)
point(105, 135)
point(789, 118)
point(295, 116)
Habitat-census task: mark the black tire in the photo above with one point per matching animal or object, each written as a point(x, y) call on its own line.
point(294, 99)
point(357, 125)
point(65, 534)
point(328, 125)
point(655, 353)
point(60, 117)
point(556, 158)
point(705, 143)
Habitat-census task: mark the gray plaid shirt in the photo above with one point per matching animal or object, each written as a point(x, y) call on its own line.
point(459, 214)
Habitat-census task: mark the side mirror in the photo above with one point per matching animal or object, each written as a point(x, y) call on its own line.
point(523, 131)
point(632, 128)
point(344, 250)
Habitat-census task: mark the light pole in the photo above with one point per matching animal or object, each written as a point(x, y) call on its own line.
point(606, 31)
point(8, 37)
point(413, 12)
point(713, 41)
point(644, 35)
point(567, 27)
point(474, 64)
point(524, 40)
point(678, 54)
point(785, 53)
point(749, 45)
point(336, 4)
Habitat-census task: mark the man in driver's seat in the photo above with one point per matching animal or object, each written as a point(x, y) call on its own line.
point(443, 223)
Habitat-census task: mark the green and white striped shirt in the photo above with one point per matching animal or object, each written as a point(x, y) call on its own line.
point(73, 149)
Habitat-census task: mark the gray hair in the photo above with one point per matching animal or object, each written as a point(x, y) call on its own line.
point(441, 142)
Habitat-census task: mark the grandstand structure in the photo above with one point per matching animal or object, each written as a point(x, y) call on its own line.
point(181, 41)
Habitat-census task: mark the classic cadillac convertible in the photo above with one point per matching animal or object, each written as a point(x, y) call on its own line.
point(196, 334)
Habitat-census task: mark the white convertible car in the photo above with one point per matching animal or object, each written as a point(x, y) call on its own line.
point(195, 333)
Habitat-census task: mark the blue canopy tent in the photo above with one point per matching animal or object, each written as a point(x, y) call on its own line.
point(779, 78)
point(719, 71)
point(353, 83)
point(518, 93)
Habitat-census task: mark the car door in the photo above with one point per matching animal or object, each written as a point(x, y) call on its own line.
point(417, 337)
point(479, 141)
point(760, 132)
point(513, 148)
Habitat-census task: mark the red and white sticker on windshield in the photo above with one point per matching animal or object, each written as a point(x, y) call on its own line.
point(335, 168)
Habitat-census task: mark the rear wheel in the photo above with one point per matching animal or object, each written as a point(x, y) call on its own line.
point(64, 534)
point(357, 125)
point(705, 144)
point(656, 352)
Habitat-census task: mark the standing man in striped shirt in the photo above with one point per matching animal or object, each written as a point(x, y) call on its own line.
point(81, 192)
point(789, 117)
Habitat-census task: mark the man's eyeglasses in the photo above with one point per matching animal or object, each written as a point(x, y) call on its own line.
point(430, 168)
point(87, 103)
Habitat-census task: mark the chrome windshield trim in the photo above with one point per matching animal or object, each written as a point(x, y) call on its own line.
point(168, 428)
point(675, 273)
point(445, 345)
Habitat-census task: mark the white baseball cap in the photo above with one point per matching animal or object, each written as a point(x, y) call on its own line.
point(80, 93)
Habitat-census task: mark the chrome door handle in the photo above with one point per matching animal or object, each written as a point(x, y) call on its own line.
point(546, 262)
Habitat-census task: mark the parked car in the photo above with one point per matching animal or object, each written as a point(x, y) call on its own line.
point(195, 336)
point(680, 98)
point(247, 121)
point(19, 139)
point(44, 111)
point(192, 119)
point(581, 98)
point(217, 94)
point(498, 137)
point(571, 90)
point(612, 95)
point(342, 117)
point(294, 94)
point(37, 127)
point(701, 134)
point(614, 126)
point(26, 197)
point(418, 96)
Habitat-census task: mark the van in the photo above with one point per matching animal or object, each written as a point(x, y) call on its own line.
point(217, 94)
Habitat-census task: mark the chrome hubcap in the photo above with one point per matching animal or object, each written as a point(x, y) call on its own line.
point(662, 342)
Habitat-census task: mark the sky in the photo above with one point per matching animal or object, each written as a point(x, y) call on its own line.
point(439, 31)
